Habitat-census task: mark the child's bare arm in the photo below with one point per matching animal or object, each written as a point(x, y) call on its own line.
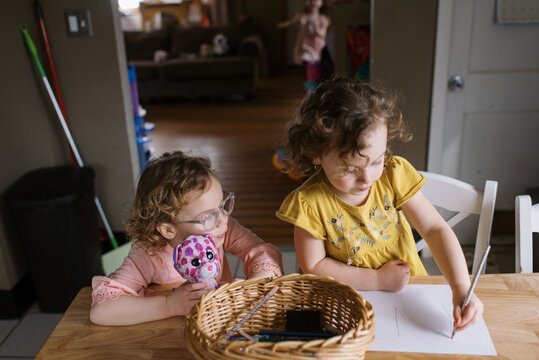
point(128, 309)
point(447, 253)
point(312, 258)
point(287, 23)
point(442, 241)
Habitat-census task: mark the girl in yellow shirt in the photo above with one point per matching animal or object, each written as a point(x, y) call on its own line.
point(349, 215)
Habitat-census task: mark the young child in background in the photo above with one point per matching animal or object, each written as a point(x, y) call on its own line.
point(310, 41)
point(348, 216)
point(177, 196)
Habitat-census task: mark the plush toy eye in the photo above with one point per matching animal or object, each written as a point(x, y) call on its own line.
point(209, 255)
point(195, 262)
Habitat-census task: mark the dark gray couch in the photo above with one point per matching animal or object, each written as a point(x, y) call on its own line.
point(186, 75)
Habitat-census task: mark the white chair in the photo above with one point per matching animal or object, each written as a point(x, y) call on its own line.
point(463, 199)
point(526, 223)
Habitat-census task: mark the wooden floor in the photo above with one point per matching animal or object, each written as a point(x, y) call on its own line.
point(240, 139)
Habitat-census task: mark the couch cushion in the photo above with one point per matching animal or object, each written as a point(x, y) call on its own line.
point(215, 67)
point(142, 45)
point(145, 69)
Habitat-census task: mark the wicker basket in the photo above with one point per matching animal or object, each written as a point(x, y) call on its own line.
point(220, 310)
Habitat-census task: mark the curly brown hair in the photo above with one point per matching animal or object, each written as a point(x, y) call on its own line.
point(161, 193)
point(338, 115)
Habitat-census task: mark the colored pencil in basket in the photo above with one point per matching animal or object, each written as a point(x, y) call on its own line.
point(296, 334)
point(253, 310)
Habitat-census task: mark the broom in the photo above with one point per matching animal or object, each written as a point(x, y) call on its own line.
point(52, 68)
point(32, 49)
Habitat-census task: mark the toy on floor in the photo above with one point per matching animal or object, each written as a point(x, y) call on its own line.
point(196, 259)
point(279, 162)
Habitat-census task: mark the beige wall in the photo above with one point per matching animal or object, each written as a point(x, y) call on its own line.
point(402, 57)
point(93, 78)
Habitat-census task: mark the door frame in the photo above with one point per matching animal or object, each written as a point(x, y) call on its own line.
point(439, 85)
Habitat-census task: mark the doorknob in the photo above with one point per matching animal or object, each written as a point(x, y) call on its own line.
point(456, 83)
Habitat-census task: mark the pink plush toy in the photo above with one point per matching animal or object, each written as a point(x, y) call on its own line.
point(196, 259)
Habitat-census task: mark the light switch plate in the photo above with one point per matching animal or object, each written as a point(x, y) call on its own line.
point(78, 22)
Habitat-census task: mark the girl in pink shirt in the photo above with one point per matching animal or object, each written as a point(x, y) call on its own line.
point(311, 39)
point(177, 196)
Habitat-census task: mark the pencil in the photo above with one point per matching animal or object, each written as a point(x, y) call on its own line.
point(237, 327)
point(472, 286)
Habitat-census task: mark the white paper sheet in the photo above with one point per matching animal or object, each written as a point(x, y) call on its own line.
point(420, 319)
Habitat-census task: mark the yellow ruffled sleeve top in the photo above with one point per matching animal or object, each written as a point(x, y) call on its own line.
point(369, 235)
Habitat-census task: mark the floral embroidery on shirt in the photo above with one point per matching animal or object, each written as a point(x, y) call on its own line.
point(378, 224)
point(337, 223)
point(376, 214)
point(336, 242)
point(391, 212)
point(368, 241)
point(362, 237)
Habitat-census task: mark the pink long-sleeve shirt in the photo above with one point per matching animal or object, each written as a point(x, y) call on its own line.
point(140, 269)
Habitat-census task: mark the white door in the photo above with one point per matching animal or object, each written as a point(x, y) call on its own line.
point(490, 128)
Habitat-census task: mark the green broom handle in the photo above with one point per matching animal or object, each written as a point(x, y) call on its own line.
point(32, 48)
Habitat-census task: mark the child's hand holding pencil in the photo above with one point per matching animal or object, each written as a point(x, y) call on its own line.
point(472, 308)
point(471, 315)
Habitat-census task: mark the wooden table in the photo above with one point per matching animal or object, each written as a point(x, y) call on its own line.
point(511, 314)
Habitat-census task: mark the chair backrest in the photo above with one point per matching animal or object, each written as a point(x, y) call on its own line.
point(526, 223)
point(463, 199)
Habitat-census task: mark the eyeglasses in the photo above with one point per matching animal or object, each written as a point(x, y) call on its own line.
point(211, 219)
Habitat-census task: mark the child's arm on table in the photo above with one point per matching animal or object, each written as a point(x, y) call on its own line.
point(447, 253)
point(392, 276)
point(131, 309)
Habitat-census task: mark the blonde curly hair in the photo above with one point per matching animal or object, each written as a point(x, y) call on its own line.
point(161, 193)
point(338, 115)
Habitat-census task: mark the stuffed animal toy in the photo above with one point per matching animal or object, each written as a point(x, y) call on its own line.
point(220, 45)
point(196, 259)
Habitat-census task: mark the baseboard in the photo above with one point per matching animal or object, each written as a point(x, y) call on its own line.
point(16, 301)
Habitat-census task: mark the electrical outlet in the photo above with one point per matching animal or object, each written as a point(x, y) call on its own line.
point(78, 23)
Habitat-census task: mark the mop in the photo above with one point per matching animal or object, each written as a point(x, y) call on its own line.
point(32, 49)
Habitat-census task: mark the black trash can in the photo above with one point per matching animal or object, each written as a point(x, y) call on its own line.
point(56, 221)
